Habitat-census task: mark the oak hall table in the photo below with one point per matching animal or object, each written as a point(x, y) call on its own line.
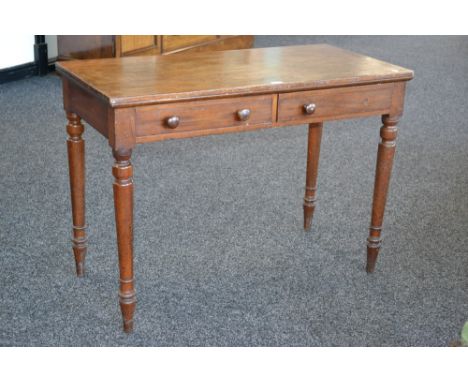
point(146, 99)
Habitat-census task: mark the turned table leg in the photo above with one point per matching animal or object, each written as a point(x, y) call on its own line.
point(76, 164)
point(313, 153)
point(385, 154)
point(123, 202)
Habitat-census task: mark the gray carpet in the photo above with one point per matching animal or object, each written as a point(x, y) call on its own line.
point(220, 255)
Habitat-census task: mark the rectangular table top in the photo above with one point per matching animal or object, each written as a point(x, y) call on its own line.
point(132, 81)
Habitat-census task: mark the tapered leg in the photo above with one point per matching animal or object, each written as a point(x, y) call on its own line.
point(313, 153)
point(385, 154)
point(76, 164)
point(123, 202)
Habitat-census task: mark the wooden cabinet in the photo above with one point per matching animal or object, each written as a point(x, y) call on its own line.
point(80, 47)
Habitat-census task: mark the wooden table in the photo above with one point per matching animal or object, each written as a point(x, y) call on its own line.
point(146, 99)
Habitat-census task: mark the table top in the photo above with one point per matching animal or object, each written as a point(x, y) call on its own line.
point(132, 81)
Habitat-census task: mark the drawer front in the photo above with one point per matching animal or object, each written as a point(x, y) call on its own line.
point(339, 103)
point(186, 117)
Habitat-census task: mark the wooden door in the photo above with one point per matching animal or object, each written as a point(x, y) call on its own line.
point(129, 45)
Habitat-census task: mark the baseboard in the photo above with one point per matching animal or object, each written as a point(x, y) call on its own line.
point(18, 72)
point(22, 71)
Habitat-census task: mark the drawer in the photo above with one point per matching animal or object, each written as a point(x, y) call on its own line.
point(327, 104)
point(196, 116)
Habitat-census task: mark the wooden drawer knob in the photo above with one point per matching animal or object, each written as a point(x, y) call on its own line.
point(243, 114)
point(309, 108)
point(172, 122)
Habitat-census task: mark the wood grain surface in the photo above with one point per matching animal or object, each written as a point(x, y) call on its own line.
point(132, 81)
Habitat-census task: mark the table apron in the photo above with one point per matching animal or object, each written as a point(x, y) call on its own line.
point(217, 116)
point(220, 115)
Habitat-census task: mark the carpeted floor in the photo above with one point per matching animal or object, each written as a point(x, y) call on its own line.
point(220, 255)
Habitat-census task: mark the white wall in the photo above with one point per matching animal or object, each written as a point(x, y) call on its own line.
point(51, 41)
point(17, 49)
